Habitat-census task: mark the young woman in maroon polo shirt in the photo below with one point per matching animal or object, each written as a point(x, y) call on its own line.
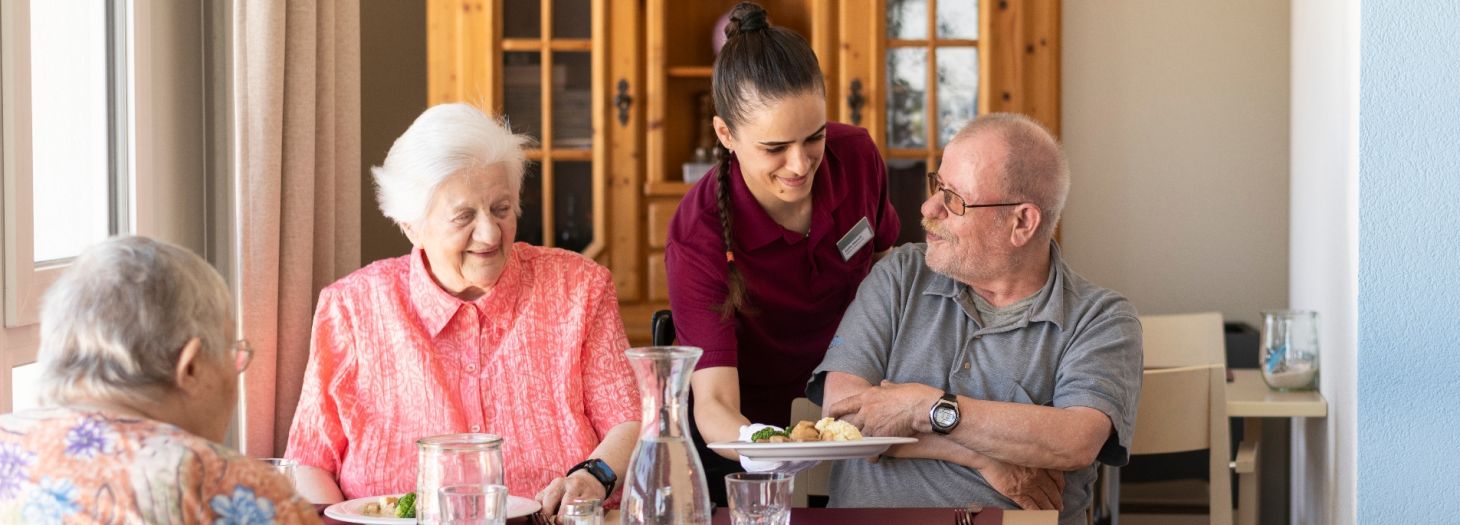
point(766, 252)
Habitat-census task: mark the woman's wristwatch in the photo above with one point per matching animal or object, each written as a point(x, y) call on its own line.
point(600, 471)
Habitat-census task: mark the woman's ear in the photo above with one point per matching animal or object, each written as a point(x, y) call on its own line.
point(409, 232)
point(722, 132)
point(186, 374)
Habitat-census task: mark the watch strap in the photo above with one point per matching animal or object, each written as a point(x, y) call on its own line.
point(600, 471)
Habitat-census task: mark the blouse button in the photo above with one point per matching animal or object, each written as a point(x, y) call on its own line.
point(476, 428)
point(471, 367)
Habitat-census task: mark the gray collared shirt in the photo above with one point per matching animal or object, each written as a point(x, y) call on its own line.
point(1077, 344)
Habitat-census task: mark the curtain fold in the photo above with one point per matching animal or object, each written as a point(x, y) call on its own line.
point(296, 100)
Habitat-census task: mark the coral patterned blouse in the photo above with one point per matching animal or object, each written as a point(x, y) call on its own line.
point(61, 465)
point(538, 359)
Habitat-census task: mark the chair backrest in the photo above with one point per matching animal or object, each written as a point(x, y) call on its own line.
point(1183, 340)
point(816, 480)
point(1183, 403)
point(661, 328)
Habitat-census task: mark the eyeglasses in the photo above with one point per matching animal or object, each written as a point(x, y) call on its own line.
point(952, 202)
point(242, 355)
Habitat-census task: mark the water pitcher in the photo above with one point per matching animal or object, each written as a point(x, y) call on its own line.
point(665, 484)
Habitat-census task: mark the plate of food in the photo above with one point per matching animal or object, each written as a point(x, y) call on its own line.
point(385, 510)
point(827, 439)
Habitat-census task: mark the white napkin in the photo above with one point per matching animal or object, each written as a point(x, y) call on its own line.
point(751, 465)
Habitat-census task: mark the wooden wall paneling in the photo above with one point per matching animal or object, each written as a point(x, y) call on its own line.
point(441, 42)
point(655, 82)
point(599, 106)
point(823, 37)
point(625, 152)
point(859, 58)
point(1041, 48)
point(661, 211)
point(1001, 52)
point(658, 280)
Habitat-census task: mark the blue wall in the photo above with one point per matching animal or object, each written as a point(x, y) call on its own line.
point(1409, 262)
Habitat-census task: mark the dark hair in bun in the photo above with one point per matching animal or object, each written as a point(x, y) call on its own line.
point(760, 63)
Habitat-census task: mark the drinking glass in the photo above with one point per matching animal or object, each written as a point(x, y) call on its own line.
point(759, 498)
point(581, 512)
point(1290, 349)
point(473, 504)
point(454, 459)
point(282, 466)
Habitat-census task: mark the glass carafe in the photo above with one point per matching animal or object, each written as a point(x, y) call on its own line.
point(665, 484)
point(1290, 349)
point(454, 460)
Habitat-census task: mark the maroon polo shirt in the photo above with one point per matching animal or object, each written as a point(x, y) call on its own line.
point(798, 285)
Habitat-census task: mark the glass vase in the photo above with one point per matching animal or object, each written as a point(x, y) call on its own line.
point(1290, 349)
point(665, 483)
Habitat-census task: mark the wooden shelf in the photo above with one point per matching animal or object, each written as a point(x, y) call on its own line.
point(691, 72)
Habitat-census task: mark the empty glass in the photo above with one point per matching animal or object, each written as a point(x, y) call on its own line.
point(473, 504)
point(282, 466)
point(759, 498)
point(581, 512)
point(1290, 349)
point(454, 460)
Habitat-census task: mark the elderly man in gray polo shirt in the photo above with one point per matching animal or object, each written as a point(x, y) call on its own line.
point(1015, 373)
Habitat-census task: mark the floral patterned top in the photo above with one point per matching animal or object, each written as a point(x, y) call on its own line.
point(62, 465)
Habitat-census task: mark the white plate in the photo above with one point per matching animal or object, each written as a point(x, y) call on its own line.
point(350, 511)
point(814, 450)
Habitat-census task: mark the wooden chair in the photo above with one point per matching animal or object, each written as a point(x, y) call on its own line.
point(816, 480)
point(1183, 404)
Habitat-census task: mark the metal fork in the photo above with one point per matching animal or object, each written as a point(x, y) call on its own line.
point(964, 516)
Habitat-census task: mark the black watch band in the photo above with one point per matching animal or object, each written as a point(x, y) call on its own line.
point(600, 471)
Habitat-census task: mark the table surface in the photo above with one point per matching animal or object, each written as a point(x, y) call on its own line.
point(1248, 396)
point(858, 516)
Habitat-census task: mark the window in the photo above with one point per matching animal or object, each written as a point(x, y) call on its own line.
point(64, 156)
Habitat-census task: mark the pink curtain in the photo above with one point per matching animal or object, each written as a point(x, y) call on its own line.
point(296, 118)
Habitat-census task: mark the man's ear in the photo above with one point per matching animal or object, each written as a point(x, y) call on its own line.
point(1027, 218)
point(188, 361)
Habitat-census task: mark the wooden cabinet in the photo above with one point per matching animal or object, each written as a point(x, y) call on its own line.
point(611, 89)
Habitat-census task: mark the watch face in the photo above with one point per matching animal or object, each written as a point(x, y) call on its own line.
point(945, 417)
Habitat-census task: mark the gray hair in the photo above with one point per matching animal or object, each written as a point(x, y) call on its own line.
point(1035, 167)
point(113, 324)
point(446, 139)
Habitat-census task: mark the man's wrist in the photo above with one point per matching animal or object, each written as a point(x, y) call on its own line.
point(924, 425)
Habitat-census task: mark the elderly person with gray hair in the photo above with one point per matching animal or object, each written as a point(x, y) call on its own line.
point(1017, 374)
point(139, 382)
point(470, 332)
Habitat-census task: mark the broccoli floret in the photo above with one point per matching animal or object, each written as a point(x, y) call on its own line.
point(766, 433)
point(405, 507)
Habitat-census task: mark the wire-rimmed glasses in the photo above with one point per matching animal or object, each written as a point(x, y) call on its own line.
point(954, 203)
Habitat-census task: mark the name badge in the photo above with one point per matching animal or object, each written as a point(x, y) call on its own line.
point(855, 239)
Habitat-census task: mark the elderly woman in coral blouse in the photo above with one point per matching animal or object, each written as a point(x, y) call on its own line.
point(470, 332)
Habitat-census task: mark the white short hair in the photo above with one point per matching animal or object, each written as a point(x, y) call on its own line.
point(445, 140)
point(113, 324)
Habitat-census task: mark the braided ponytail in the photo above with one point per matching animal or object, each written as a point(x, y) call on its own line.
point(735, 296)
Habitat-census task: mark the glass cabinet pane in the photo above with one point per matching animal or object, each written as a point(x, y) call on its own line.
point(957, 89)
point(70, 139)
point(522, 92)
point(572, 100)
point(907, 19)
point(907, 94)
point(572, 19)
point(521, 19)
point(907, 188)
point(572, 204)
point(958, 19)
point(529, 223)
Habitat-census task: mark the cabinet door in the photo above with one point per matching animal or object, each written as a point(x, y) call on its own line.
point(541, 65)
point(916, 71)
